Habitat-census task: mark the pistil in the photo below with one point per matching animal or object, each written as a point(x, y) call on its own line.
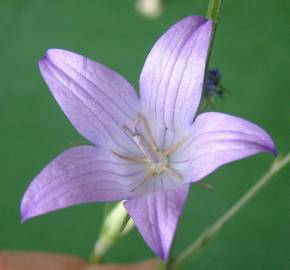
point(155, 161)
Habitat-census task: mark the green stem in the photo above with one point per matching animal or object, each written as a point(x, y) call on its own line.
point(213, 12)
point(213, 9)
point(209, 234)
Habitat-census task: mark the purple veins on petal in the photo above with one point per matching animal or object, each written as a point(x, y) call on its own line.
point(97, 100)
point(156, 216)
point(81, 174)
point(217, 139)
point(172, 77)
point(148, 149)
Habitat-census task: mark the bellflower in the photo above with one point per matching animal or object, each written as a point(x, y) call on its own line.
point(146, 150)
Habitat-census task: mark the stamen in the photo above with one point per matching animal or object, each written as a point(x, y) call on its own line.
point(204, 185)
point(173, 173)
point(148, 130)
point(147, 177)
point(140, 160)
point(174, 147)
point(143, 144)
point(128, 130)
point(155, 161)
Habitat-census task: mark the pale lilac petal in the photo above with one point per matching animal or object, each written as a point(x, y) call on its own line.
point(218, 139)
point(97, 100)
point(81, 174)
point(156, 217)
point(172, 78)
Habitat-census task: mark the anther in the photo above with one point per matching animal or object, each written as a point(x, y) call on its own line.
point(148, 131)
point(141, 160)
point(174, 147)
point(173, 173)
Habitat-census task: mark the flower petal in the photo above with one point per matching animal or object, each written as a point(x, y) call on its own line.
point(79, 175)
point(172, 78)
point(156, 217)
point(97, 100)
point(218, 139)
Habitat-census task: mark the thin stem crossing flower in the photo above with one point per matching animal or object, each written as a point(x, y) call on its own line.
point(146, 150)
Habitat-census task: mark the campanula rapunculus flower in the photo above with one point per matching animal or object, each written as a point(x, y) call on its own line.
point(146, 150)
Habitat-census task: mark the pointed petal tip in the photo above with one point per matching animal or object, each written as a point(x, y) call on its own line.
point(53, 51)
point(61, 55)
point(156, 216)
point(196, 21)
point(24, 210)
point(23, 214)
point(163, 255)
point(196, 18)
point(27, 215)
point(42, 62)
point(48, 55)
point(27, 209)
point(268, 144)
point(272, 149)
point(201, 20)
point(23, 219)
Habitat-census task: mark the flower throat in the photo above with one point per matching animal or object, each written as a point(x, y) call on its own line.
point(155, 161)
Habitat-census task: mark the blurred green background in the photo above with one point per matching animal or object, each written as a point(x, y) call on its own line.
point(252, 51)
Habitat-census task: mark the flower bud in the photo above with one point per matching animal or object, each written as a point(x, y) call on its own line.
point(112, 230)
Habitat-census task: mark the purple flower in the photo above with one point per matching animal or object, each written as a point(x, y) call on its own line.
point(147, 150)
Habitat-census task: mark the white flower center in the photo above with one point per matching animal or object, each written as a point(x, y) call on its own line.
point(157, 167)
point(155, 160)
